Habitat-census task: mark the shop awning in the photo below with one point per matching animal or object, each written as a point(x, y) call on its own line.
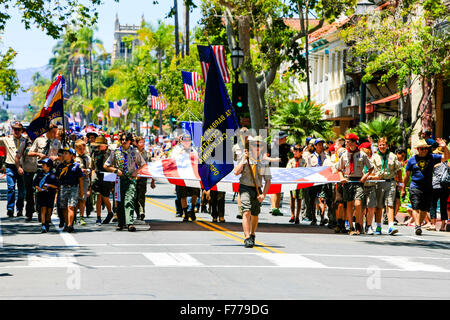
point(395, 96)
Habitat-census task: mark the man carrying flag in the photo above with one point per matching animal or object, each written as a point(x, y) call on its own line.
point(216, 155)
point(252, 169)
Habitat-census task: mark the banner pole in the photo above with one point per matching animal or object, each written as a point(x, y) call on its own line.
point(64, 118)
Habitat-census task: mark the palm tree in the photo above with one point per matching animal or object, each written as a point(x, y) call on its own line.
point(301, 119)
point(84, 48)
point(382, 127)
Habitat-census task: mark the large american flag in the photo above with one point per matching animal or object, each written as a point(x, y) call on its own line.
point(192, 88)
point(219, 51)
point(158, 102)
point(183, 172)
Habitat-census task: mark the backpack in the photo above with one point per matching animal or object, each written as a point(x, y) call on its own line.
point(445, 178)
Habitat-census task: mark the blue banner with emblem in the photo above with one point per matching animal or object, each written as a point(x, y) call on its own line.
point(218, 129)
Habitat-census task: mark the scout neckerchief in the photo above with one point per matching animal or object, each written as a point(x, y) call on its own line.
point(351, 159)
point(18, 143)
point(384, 161)
point(122, 159)
point(319, 158)
point(65, 169)
point(41, 184)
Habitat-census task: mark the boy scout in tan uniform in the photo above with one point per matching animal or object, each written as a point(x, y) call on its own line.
point(387, 168)
point(12, 143)
point(252, 170)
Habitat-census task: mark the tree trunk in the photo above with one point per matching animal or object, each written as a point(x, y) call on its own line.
point(186, 25)
point(305, 31)
point(253, 94)
point(90, 66)
point(85, 80)
point(177, 40)
point(427, 107)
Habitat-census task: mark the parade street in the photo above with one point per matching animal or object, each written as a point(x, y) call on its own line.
point(204, 260)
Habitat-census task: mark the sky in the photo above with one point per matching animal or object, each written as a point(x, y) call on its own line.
point(34, 47)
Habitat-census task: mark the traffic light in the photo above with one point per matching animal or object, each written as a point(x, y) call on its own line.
point(240, 99)
point(173, 121)
point(30, 107)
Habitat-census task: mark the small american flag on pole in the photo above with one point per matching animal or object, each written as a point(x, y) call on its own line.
point(219, 51)
point(192, 89)
point(158, 102)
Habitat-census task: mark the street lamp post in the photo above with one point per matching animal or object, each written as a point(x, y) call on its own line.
point(237, 57)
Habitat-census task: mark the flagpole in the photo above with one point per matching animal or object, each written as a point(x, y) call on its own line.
point(64, 119)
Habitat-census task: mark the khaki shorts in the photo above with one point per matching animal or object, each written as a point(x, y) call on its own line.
point(353, 191)
point(386, 193)
point(249, 200)
point(370, 197)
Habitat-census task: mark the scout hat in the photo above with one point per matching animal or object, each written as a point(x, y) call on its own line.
point(17, 125)
point(92, 133)
point(352, 136)
point(422, 144)
point(99, 141)
point(257, 139)
point(365, 145)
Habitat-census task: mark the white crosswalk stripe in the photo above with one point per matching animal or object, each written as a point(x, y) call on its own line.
point(409, 265)
point(291, 260)
point(172, 259)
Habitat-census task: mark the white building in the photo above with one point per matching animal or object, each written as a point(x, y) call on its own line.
point(120, 49)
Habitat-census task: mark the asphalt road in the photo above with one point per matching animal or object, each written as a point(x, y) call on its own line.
point(204, 260)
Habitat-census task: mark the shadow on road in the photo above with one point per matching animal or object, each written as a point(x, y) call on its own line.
point(161, 225)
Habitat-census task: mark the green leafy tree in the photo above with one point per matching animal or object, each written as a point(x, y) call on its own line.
point(302, 119)
point(258, 27)
point(9, 82)
point(403, 43)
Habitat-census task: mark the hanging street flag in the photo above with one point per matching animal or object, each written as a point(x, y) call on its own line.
point(158, 102)
point(78, 117)
point(219, 120)
point(100, 115)
point(114, 109)
point(52, 109)
point(204, 53)
point(123, 107)
point(182, 171)
point(192, 88)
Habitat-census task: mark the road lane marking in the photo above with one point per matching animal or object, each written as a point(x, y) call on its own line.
point(409, 265)
point(168, 259)
point(263, 250)
point(51, 260)
point(219, 229)
point(289, 260)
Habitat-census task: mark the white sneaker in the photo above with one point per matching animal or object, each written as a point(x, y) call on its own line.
point(369, 230)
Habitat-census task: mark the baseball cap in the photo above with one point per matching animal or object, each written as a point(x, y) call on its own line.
point(47, 161)
point(316, 141)
point(70, 150)
point(282, 134)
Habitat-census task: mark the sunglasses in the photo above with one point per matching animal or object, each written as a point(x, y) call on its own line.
point(297, 149)
point(17, 129)
point(422, 148)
